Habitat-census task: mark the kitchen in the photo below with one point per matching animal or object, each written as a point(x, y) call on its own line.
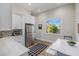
point(22, 23)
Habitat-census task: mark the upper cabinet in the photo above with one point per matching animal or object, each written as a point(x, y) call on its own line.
point(5, 16)
point(20, 16)
point(16, 21)
point(13, 16)
point(29, 19)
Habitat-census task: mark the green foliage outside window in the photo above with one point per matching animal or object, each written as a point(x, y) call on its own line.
point(53, 26)
point(52, 29)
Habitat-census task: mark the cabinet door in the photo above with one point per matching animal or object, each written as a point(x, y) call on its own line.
point(16, 22)
point(20, 39)
point(5, 16)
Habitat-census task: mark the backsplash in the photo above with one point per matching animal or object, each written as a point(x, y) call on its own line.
point(5, 33)
point(0, 34)
point(10, 33)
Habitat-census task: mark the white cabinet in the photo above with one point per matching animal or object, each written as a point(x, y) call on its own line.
point(20, 39)
point(5, 16)
point(29, 19)
point(16, 22)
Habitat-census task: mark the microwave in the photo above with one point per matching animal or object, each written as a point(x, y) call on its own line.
point(17, 32)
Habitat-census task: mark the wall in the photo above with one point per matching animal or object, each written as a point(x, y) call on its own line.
point(5, 16)
point(66, 13)
point(77, 21)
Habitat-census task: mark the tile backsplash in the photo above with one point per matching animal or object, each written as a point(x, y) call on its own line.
point(0, 34)
point(5, 33)
point(14, 32)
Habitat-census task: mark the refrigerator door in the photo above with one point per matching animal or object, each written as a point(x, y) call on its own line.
point(28, 35)
point(30, 29)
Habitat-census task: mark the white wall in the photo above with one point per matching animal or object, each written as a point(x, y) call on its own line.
point(5, 16)
point(77, 21)
point(66, 13)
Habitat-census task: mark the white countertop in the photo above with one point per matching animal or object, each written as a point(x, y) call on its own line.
point(62, 46)
point(9, 47)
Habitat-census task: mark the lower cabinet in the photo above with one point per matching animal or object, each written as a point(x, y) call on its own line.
point(20, 39)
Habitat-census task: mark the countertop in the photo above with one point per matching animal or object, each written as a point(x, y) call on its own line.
point(10, 47)
point(62, 46)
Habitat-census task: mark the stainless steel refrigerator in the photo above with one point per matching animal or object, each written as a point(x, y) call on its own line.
point(28, 34)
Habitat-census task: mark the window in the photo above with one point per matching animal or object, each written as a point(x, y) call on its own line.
point(53, 25)
point(78, 28)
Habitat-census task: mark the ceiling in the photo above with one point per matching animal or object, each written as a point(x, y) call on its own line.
point(42, 7)
point(37, 8)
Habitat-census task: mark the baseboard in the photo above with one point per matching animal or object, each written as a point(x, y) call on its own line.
point(43, 40)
